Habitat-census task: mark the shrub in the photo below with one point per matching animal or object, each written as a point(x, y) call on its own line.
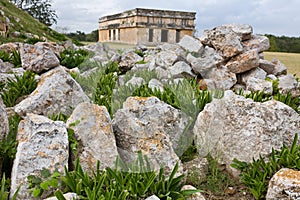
point(15, 59)
point(257, 174)
point(33, 40)
point(73, 58)
point(4, 56)
point(14, 89)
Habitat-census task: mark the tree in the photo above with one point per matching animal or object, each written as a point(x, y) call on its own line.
point(39, 9)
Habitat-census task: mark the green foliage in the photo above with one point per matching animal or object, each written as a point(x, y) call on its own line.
point(139, 52)
point(14, 89)
point(284, 44)
point(4, 56)
point(33, 40)
point(258, 96)
point(73, 58)
point(4, 190)
point(133, 181)
point(15, 58)
point(288, 99)
point(257, 174)
point(8, 145)
point(46, 181)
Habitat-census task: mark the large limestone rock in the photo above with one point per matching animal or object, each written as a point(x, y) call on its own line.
point(223, 39)
point(57, 92)
point(128, 60)
point(254, 73)
point(152, 126)
point(93, 129)
point(38, 58)
point(3, 121)
point(244, 62)
point(181, 69)
point(284, 185)
point(257, 84)
point(207, 60)
point(191, 44)
point(267, 66)
point(258, 42)
point(287, 83)
point(280, 68)
point(236, 127)
point(43, 144)
point(68, 196)
point(166, 59)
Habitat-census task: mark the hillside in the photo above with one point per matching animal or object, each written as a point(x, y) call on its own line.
point(22, 26)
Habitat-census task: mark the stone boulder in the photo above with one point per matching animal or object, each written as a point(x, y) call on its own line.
point(257, 73)
point(43, 144)
point(67, 196)
point(267, 66)
point(244, 62)
point(93, 129)
point(207, 60)
point(57, 92)
point(191, 44)
point(288, 83)
point(166, 59)
point(223, 39)
point(4, 128)
point(128, 60)
point(259, 43)
point(195, 196)
point(284, 185)
point(280, 68)
point(38, 58)
point(236, 127)
point(257, 85)
point(152, 126)
point(181, 69)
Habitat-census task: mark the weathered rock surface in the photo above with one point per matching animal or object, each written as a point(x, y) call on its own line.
point(4, 128)
point(191, 44)
point(57, 92)
point(244, 62)
point(128, 60)
point(258, 42)
point(43, 144)
point(280, 68)
point(223, 39)
point(166, 59)
point(267, 66)
point(152, 126)
point(207, 60)
point(153, 197)
point(38, 58)
point(181, 69)
point(287, 83)
point(257, 84)
point(257, 73)
point(285, 185)
point(93, 129)
point(236, 127)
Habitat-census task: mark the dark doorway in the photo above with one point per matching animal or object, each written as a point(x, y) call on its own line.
point(177, 36)
point(150, 35)
point(164, 35)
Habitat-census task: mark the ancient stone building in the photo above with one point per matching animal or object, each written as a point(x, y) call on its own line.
point(146, 26)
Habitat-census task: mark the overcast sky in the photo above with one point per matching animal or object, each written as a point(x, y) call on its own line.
point(278, 17)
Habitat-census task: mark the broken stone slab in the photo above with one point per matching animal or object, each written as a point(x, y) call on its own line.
point(288, 83)
point(93, 129)
point(173, 47)
point(5, 67)
point(38, 58)
point(256, 85)
point(220, 78)
point(57, 92)
point(223, 39)
point(43, 144)
point(243, 30)
point(255, 73)
point(166, 59)
point(285, 185)
point(243, 62)
point(267, 66)
point(191, 44)
point(151, 126)
point(4, 77)
point(280, 68)
point(207, 60)
point(181, 69)
point(258, 42)
point(153, 197)
point(236, 127)
point(162, 73)
point(128, 60)
point(55, 47)
point(135, 81)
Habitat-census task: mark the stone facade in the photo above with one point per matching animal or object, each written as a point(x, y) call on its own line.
point(146, 26)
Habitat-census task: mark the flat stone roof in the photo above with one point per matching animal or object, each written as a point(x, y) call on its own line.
point(151, 13)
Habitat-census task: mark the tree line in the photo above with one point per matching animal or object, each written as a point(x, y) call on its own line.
point(284, 44)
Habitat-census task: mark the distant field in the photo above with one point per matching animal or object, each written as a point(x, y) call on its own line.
point(290, 60)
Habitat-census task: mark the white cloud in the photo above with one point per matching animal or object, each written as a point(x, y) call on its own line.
point(266, 16)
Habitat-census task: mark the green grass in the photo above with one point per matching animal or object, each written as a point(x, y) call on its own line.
point(290, 60)
point(26, 24)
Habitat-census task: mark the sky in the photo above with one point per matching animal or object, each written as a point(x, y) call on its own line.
point(277, 17)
